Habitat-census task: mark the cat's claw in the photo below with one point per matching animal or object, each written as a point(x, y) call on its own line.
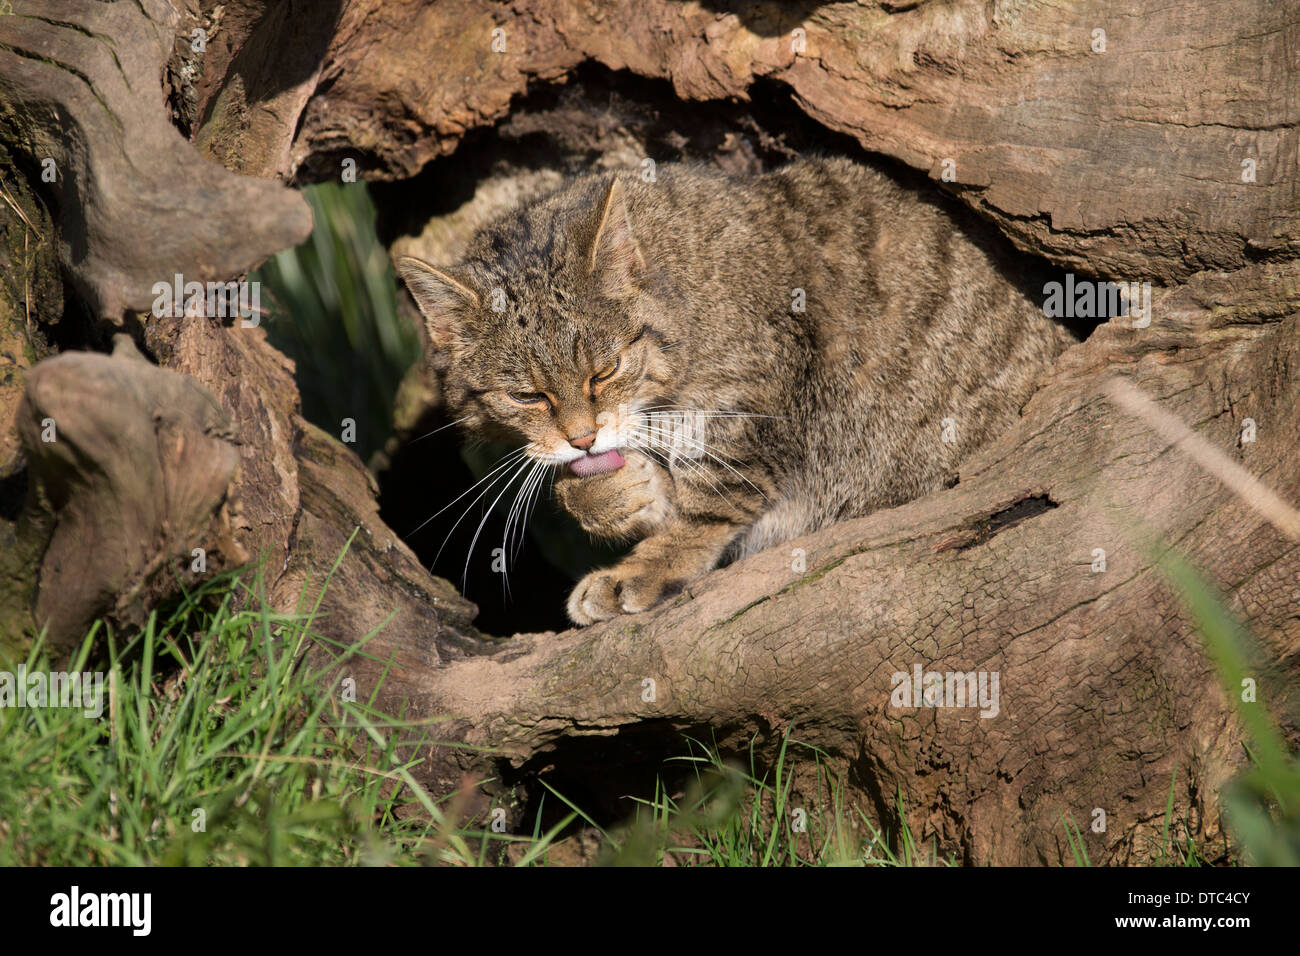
point(609, 592)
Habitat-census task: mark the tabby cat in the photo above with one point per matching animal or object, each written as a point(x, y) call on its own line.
point(712, 364)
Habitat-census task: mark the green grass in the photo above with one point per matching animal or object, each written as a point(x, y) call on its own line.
point(216, 747)
point(333, 310)
point(734, 816)
point(211, 709)
point(1171, 849)
point(1263, 803)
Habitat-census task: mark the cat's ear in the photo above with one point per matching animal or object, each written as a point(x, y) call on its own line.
point(440, 297)
point(616, 259)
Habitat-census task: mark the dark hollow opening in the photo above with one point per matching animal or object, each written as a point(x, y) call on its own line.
point(568, 127)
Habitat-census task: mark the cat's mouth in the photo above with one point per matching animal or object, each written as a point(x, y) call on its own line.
point(597, 464)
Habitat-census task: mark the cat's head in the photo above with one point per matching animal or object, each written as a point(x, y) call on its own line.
point(546, 331)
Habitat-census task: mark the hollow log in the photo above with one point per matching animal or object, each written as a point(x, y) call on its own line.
point(1115, 138)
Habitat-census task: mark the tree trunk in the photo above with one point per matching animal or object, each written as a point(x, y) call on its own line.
point(1075, 133)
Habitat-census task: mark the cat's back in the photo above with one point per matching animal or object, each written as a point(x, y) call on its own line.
point(692, 217)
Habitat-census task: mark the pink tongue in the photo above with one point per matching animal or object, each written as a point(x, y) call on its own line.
point(597, 464)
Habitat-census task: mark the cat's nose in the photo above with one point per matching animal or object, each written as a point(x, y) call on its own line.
point(583, 442)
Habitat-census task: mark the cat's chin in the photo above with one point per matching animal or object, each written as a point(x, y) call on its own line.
point(589, 465)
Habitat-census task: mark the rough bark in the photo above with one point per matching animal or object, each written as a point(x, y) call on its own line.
point(1106, 688)
point(80, 88)
point(1122, 162)
point(81, 85)
point(129, 462)
point(1125, 163)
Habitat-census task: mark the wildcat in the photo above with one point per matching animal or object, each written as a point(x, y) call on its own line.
point(712, 364)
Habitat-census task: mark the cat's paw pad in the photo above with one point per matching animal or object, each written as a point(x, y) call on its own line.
point(607, 593)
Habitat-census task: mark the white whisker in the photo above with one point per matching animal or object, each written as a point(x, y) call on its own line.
point(702, 447)
point(463, 515)
point(529, 503)
point(692, 468)
point(486, 514)
point(438, 429)
point(706, 412)
point(506, 460)
point(512, 518)
point(515, 516)
point(495, 476)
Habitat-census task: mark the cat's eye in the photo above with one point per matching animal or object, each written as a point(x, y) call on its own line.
point(528, 398)
point(609, 372)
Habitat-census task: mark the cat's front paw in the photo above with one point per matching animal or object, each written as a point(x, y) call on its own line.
point(626, 588)
point(627, 503)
